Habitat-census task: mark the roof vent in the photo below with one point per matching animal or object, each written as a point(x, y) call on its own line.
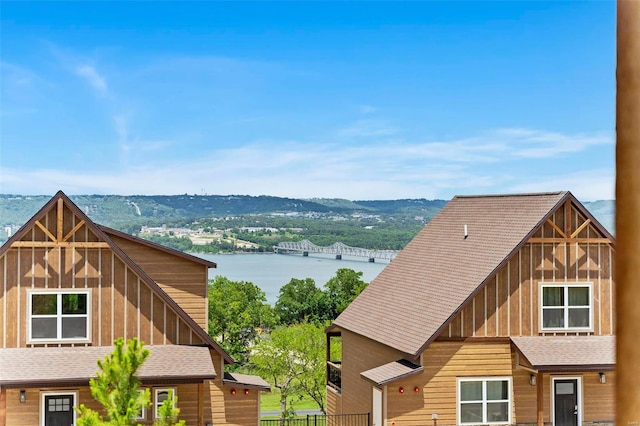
point(466, 232)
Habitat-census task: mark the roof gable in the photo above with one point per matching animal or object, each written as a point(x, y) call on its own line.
point(424, 287)
point(61, 223)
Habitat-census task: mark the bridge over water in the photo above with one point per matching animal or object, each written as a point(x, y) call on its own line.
point(338, 249)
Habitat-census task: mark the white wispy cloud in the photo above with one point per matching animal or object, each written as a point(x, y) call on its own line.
point(91, 75)
point(376, 170)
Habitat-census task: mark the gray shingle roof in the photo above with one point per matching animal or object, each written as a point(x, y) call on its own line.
point(391, 372)
point(568, 353)
point(49, 366)
point(246, 380)
point(410, 301)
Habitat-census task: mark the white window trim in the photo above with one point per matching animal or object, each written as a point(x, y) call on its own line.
point(484, 402)
point(156, 391)
point(143, 415)
point(55, 393)
point(59, 291)
point(565, 285)
point(553, 396)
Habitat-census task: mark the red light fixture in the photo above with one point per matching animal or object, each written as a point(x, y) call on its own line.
point(246, 391)
point(416, 389)
point(401, 389)
point(233, 391)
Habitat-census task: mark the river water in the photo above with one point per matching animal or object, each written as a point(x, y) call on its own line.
point(272, 271)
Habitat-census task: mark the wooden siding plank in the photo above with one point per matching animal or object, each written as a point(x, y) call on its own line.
point(11, 295)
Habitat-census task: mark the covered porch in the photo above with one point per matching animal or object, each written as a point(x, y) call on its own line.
point(573, 379)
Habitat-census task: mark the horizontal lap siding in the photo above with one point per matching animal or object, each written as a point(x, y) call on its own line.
point(360, 354)
point(334, 402)
point(28, 413)
point(444, 363)
point(599, 398)
point(185, 281)
point(223, 408)
point(122, 305)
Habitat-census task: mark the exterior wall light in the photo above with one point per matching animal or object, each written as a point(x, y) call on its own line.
point(401, 389)
point(532, 380)
point(233, 391)
point(416, 389)
point(246, 391)
point(603, 378)
point(23, 396)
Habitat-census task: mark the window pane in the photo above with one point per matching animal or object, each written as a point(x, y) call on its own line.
point(497, 411)
point(74, 303)
point(553, 318)
point(44, 304)
point(552, 296)
point(579, 317)
point(161, 397)
point(74, 327)
point(579, 296)
point(497, 390)
point(471, 391)
point(44, 328)
point(471, 413)
point(564, 388)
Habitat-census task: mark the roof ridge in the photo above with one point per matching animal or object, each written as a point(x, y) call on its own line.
point(521, 194)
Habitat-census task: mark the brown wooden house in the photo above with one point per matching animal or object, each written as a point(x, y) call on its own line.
point(500, 311)
point(69, 288)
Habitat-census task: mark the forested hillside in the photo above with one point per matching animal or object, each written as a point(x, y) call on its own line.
point(262, 220)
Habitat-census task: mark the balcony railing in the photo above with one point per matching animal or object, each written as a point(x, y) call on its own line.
point(334, 375)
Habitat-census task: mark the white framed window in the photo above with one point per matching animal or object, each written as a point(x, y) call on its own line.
point(160, 395)
point(484, 400)
point(142, 414)
point(566, 306)
point(59, 315)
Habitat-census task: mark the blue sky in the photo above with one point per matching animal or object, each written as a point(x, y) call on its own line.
point(356, 100)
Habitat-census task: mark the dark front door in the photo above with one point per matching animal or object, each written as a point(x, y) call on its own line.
point(565, 394)
point(58, 410)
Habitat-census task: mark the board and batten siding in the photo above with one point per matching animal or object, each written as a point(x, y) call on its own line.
point(122, 304)
point(184, 280)
point(509, 304)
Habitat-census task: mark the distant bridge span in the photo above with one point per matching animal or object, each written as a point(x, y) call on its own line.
point(338, 249)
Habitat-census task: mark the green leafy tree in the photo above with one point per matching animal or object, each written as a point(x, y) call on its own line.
point(169, 413)
point(117, 388)
point(236, 310)
point(341, 290)
point(299, 301)
point(293, 358)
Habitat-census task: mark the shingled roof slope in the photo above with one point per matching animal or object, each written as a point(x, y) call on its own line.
point(76, 365)
point(568, 353)
point(409, 302)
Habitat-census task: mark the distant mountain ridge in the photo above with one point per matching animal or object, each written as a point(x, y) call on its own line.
point(118, 210)
point(111, 209)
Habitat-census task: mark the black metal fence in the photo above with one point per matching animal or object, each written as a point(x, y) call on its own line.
point(321, 420)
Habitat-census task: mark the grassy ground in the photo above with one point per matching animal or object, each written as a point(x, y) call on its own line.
point(270, 401)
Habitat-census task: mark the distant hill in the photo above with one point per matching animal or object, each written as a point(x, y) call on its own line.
point(114, 210)
point(129, 212)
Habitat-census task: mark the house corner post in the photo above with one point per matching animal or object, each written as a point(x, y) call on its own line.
point(628, 211)
point(540, 399)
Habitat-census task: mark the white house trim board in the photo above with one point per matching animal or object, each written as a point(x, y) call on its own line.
point(552, 394)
